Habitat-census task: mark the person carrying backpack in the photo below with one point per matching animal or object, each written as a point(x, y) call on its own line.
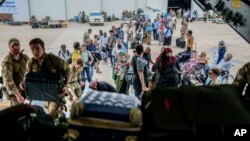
point(64, 53)
point(168, 32)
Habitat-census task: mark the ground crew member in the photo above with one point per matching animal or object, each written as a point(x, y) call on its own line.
point(51, 63)
point(13, 70)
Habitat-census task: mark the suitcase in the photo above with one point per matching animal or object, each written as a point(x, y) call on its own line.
point(192, 113)
point(104, 116)
point(42, 87)
point(180, 42)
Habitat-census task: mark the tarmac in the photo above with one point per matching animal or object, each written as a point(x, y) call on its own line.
point(206, 36)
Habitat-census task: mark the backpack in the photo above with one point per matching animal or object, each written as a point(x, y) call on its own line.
point(171, 30)
point(149, 29)
point(60, 52)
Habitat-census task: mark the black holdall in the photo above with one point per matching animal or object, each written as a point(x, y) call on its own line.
point(43, 86)
point(194, 113)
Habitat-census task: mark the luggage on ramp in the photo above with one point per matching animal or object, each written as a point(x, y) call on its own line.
point(104, 116)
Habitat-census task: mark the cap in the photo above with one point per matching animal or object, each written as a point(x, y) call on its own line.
point(13, 41)
point(122, 53)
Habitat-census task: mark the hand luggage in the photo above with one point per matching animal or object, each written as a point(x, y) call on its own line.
point(42, 87)
point(191, 113)
point(104, 116)
point(180, 42)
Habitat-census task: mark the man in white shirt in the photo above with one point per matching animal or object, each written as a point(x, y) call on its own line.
point(64, 53)
point(104, 41)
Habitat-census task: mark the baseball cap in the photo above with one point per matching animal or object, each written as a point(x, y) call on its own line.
point(13, 41)
point(122, 53)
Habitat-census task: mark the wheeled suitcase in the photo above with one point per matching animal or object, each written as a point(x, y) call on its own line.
point(180, 42)
point(104, 116)
point(192, 113)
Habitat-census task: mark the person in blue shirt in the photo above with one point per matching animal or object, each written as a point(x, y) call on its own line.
point(155, 27)
point(219, 53)
point(91, 47)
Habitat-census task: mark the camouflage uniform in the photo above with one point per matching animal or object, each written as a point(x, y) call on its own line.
point(243, 78)
point(61, 65)
point(13, 73)
point(86, 38)
point(74, 86)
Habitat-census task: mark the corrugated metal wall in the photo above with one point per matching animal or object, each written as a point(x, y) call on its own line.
point(67, 9)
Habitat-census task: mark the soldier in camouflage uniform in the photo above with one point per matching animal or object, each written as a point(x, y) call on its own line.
point(13, 70)
point(86, 37)
point(75, 82)
point(51, 63)
point(243, 78)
